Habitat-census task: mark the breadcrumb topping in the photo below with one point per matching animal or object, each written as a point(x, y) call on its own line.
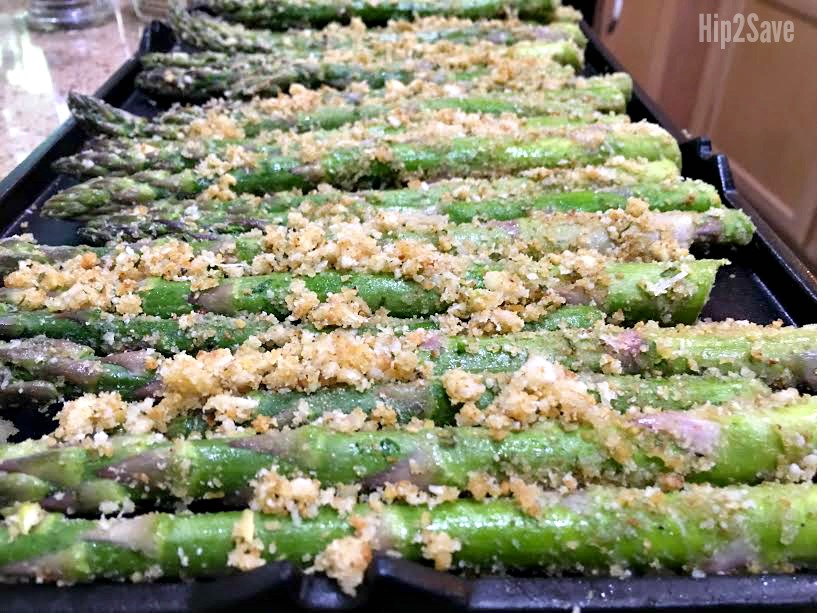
point(96, 413)
point(439, 547)
point(345, 560)
point(298, 497)
point(248, 551)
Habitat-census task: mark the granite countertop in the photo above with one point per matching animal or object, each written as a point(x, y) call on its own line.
point(37, 70)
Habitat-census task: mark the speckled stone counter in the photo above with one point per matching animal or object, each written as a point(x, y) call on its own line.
point(37, 70)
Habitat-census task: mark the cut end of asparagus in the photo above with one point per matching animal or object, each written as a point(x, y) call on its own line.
point(135, 534)
point(735, 227)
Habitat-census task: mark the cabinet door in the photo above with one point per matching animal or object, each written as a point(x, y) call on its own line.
point(757, 101)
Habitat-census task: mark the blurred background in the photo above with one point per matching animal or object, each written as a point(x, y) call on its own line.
point(758, 102)
point(38, 69)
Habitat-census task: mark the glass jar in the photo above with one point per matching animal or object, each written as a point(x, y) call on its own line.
point(147, 10)
point(66, 14)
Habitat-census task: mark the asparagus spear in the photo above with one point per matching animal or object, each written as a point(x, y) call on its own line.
point(607, 93)
point(356, 167)
point(125, 337)
point(198, 77)
point(14, 249)
point(209, 220)
point(74, 368)
point(579, 106)
point(561, 55)
point(702, 445)
point(111, 156)
point(106, 333)
point(319, 13)
point(562, 51)
point(15, 393)
point(505, 198)
point(207, 32)
point(666, 291)
point(768, 527)
point(779, 357)
point(428, 399)
point(625, 236)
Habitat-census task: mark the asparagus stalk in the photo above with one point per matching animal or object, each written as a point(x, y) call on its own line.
point(319, 13)
point(107, 156)
point(700, 445)
point(15, 249)
point(667, 292)
point(769, 527)
point(428, 399)
point(561, 51)
point(780, 356)
point(15, 393)
point(505, 198)
point(606, 93)
point(68, 363)
point(73, 368)
point(562, 56)
point(105, 333)
point(355, 167)
point(207, 32)
point(201, 76)
point(625, 237)
point(210, 221)
point(578, 106)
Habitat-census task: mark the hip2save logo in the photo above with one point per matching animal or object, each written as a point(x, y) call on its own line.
point(743, 29)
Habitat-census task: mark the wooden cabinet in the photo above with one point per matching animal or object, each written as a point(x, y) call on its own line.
point(757, 101)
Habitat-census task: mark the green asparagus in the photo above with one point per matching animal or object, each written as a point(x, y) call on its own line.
point(110, 156)
point(106, 333)
point(768, 527)
point(781, 357)
point(428, 399)
point(207, 32)
point(319, 13)
point(593, 188)
point(211, 220)
point(356, 167)
point(15, 393)
point(626, 237)
point(336, 109)
point(73, 368)
point(201, 76)
point(560, 50)
point(701, 445)
point(670, 292)
point(15, 249)
point(417, 399)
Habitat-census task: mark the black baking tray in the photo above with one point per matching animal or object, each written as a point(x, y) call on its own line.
point(764, 282)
